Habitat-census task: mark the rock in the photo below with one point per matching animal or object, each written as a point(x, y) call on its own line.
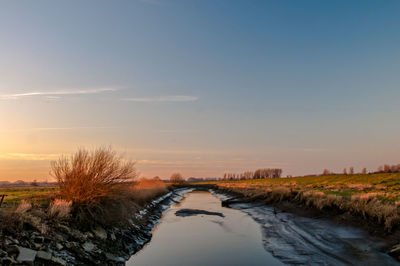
point(3, 253)
point(36, 246)
point(88, 246)
point(70, 245)
point(43, 255)
point(395, 250)
point(58, 261)
point(78, 235)
point(26, 255)
point(114, 258)
point(65, 229)
point(59, 237)
point(7, 261)
point(12, 250)
point(10, 241)
point(59, 246)
point(88, 235)
point(112, 236)
point(38, 239)
point(99, 232)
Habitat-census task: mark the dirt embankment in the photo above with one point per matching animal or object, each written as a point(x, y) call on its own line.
point(63, 243)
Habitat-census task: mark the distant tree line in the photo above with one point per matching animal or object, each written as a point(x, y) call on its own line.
point(199, 179)
point(258, 174)
point(345, 172)
point(389, 168)
point(386, 168)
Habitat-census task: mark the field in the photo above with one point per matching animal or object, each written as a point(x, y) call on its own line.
point(383, 186)
point(34, 194)
point(374, 197)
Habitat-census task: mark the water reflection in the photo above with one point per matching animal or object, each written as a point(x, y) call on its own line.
point(248, 234)
point(202, 239)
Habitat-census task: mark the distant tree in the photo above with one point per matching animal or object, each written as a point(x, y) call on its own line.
point(34, 183)
point(326, 172)
point(351, 170)
point(386, 168)
point(176, 178)
point(364, 171)
point(344, 171)
point(156, 178)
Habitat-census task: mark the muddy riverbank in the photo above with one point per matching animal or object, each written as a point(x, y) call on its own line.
point(291, 204)
point(253, 234)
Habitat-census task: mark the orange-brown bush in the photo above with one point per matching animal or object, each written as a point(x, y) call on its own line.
point(147, 189)
point(87, 177)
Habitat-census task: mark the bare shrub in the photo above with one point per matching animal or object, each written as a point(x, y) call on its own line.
point(88, 176)
point(176, 178)
point(60, 209)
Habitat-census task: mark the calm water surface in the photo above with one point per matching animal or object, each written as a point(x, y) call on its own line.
point(234, 239)
point(248, 234)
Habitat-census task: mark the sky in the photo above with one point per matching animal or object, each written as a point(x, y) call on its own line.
point(200, 87)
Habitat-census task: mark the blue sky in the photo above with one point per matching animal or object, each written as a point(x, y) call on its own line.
point(200, 87)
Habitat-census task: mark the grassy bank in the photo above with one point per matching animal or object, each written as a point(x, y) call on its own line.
point(33, 194)
point(98, 206)
point(375, 197)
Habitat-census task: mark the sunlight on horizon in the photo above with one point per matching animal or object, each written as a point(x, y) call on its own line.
point(200, 89)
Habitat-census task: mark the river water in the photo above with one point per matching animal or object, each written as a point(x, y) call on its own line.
point(249, 234)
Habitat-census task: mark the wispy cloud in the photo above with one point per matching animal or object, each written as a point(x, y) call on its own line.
point(29, 156)
point(60, 128)
point(55, 94)
point(172, 98)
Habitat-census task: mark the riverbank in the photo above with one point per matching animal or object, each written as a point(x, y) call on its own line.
point(316, 205)
point(57, 242)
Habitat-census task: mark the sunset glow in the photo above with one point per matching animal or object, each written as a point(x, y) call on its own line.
point(199, 90)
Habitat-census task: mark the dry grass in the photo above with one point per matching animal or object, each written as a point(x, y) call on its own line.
point(23, 207)
point(374, 197)
point(94, 188)
point(147, 189)
point(86, 177)
point(60, 209)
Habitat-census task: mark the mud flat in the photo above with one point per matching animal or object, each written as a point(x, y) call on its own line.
point(290, 204)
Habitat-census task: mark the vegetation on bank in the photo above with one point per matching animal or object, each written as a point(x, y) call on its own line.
point(33, 194)
point(372, 196)
point(94, 188)
point(98, 205)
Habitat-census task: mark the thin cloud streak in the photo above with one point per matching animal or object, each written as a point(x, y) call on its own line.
point(61, 128)
point(29, 156)
point(55, 94)
point(172, 98)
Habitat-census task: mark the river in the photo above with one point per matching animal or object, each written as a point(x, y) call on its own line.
point(199, 231)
